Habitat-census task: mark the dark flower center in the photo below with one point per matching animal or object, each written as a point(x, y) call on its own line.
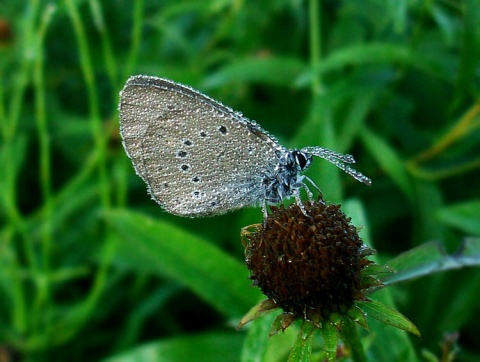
point(309, 265)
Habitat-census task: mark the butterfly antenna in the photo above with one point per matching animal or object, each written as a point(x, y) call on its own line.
point(340, 160)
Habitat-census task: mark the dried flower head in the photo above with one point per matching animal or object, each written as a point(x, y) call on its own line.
point(314, 268)
point(310, 266)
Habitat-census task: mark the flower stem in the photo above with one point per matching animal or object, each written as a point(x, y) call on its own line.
point(352, 340)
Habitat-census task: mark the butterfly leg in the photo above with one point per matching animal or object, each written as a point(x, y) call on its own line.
point(314, 185)
point(299, 202)
point(264, 210)
point(309, 193)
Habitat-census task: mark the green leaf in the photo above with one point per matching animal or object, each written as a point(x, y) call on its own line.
point(281, 323)
point(302, 348)
point(206, 347)
point(154, 246)
point(470, 49)
point(256, 343)
point(445, 21)
point(427, 200)
point(259, 310)
point(431, 258)
point(259, 346)
point(330, 335)
point(429, 356)
point(464, 216)
point(356, 117)
point(387, 315)
point(389, 160)
point(268, 70)
point(358, 316)
point(355, 209)
point(373, 53)
point(376, 270)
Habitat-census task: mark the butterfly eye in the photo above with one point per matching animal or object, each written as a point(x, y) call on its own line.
point(302, 159)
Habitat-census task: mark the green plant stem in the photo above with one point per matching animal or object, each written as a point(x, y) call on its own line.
point(136, 37)
point(22, 75)
point(12, 143)
point(75, 186)
point(93, 100)
point(315, 43)
point(351, 338)
point(42, 277)
point(107, 49)
point(43, 282)
point(124, 166)
point(80, 314)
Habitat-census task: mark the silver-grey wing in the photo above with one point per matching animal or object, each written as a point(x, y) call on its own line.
point(197, 156)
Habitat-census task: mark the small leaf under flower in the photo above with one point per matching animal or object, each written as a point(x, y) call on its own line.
point(387, 315)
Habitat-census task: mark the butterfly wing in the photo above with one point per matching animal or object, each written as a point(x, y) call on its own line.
point(197, 156)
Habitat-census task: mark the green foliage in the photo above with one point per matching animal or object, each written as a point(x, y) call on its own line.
point(84, 276)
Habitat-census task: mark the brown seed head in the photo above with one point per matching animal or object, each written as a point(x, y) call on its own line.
point(308, 265)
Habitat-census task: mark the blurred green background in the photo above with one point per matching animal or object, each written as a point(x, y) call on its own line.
point(92, 269)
